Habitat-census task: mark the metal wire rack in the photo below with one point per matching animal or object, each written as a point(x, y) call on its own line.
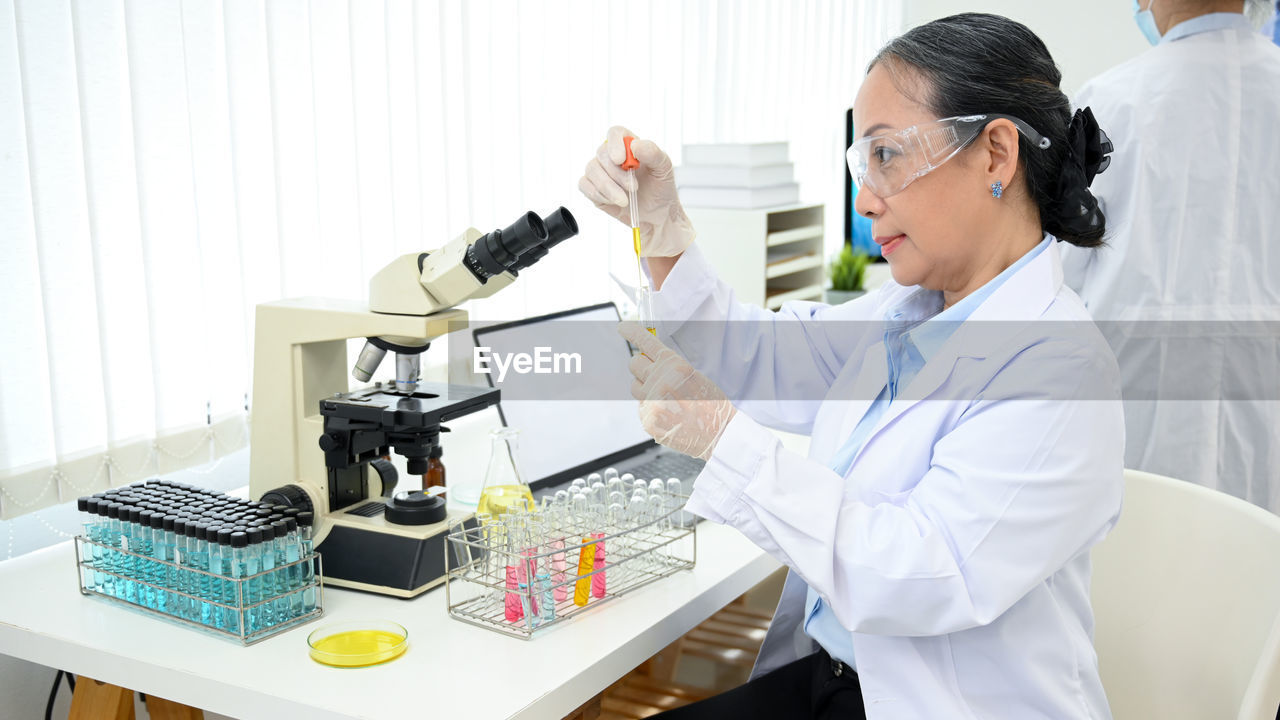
point(243, 609)
point(575, 566)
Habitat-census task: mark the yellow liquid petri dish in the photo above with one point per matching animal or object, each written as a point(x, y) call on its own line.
point(358, 643)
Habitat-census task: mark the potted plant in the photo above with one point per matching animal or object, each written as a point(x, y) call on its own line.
point(847, 270)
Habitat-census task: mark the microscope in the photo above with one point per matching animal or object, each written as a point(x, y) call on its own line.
point(320, 448)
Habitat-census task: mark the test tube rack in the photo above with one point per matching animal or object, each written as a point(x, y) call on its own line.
point(479, 567)
point(243, 610)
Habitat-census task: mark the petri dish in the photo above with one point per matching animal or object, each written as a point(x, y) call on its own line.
point(358, 643)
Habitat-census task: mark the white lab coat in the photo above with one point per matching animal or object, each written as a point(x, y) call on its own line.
point(956, 548)
point(1192, 200)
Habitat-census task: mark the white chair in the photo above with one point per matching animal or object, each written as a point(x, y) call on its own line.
point(1186, 594)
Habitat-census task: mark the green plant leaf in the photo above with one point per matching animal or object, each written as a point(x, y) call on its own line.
point(847, 269)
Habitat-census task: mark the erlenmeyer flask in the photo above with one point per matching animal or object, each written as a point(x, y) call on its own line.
point(505, 489)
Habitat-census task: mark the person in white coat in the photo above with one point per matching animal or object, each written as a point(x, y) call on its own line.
point(966, 431)
point(1187, 287)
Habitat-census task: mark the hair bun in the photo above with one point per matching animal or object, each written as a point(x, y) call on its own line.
point(1087, 153)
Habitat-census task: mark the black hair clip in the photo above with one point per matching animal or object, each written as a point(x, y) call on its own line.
point(1087, 153)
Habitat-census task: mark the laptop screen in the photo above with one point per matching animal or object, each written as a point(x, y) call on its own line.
point(570, 424)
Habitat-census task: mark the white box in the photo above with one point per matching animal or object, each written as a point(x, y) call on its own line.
point(739, 154)
point(734, 175)
point(730, 197)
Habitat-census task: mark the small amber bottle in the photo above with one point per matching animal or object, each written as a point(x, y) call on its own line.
point(435, 470)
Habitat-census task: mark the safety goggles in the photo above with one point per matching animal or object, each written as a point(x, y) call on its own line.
point(887, 164)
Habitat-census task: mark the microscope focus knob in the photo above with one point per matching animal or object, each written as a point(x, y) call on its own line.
point(330, 442)
point(290, 495)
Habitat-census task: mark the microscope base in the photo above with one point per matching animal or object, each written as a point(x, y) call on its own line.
point(401, 561)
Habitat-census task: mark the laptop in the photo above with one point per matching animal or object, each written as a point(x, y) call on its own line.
point(575, 423)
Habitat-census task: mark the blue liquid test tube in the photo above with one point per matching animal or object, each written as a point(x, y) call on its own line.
point(129, 540)
point(169, 546)
point(144, 569)
point(159, 551)
point(306, 545)
point(264, 587)
point(291, 577)
point(272, 584)
point(89, 507)
point(226, 587)
point(182, 557)
point(202, 588)
point(110, 537)
point(293, 553)
point(547, 604)
point(287, 577)
point(101, 554)
point(244, 563)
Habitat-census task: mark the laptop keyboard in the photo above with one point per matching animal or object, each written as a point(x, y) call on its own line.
point(669, 465)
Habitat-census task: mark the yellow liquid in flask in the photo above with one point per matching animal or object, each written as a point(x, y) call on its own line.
point(501, 499)
point(358, 648)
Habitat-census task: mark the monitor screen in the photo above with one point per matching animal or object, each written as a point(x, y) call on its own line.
point(857, 229)
point(568, 420)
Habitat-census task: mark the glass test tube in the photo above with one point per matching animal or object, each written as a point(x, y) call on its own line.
point(545, 596)
point(598, 582)
point(560, 589)
point(160, 568)
point(245, 563)
point(306, 545)
point(89, 507)
point(292, 605)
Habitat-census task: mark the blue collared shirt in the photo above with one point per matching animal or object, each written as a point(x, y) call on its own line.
point(1205, 23)
point(909, 345)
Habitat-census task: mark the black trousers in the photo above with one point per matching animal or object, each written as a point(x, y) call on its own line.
point(811, 687)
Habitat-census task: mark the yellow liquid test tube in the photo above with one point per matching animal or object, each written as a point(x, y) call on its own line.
point(644, 301)
point(635, 242)
point(630, 164)
point(586, 560)
point(644, 309)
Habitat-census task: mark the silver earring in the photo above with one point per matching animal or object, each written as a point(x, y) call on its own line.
point(997, 189)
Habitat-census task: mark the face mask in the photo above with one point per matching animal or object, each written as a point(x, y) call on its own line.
point(1146, 22)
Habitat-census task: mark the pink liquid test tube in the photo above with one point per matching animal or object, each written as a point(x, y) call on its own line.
point(511, 600)
point(597, 580)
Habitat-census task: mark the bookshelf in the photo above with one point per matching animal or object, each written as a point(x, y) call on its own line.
point(768, 255)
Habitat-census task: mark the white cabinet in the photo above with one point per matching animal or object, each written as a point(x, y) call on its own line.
point(768, 255)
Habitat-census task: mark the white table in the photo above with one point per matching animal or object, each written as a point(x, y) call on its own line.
point(451, 670)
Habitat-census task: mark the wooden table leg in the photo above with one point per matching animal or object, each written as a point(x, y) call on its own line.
point(161, 709)
point(95, 700)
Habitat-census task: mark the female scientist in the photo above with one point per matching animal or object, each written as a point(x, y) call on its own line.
point(966, 432)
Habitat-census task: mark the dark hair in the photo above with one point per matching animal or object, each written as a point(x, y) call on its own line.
point(977, 63)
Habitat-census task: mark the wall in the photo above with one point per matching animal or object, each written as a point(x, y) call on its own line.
point(1085, 37)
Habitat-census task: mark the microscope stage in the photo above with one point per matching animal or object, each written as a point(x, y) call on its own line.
point(428, 406)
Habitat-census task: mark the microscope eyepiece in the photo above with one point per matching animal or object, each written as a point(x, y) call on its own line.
point(560, 227)
point(500, 250)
